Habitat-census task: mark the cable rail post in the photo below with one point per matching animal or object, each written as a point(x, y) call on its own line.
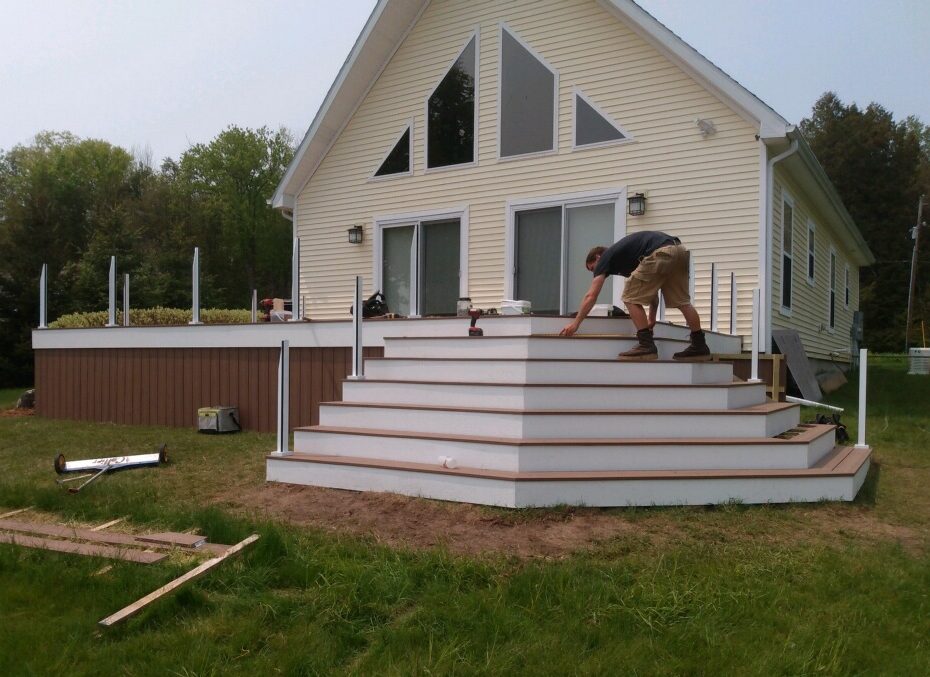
point(863, 375)
point(358, 363)
point(754, 378)
point(714, 298)
point(111, 319)
point(126, 300)
point(296, 314)
point(284, 379)
point(195, 285)
point(733, 299)
point(254, 306)
point(43, 297)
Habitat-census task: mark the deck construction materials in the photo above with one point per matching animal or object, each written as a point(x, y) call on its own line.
point(14, 512)
point(107, 525)
point(175, 538)
point(87, 549)
point(194, 573)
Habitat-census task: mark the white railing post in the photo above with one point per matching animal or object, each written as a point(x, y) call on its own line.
point(733, 306)
point(714, 298)
point(126, 300)
point(254, 306)
point(284, 381)
point(43, 297)
point(195, 286)
point(863, 374)
point(111, 320)
point(295, 282)
point(358, 363)
point(660, 315)
point(754, 378)
point(691, 276)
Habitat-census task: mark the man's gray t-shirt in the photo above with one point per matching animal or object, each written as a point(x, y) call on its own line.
point(622, 257)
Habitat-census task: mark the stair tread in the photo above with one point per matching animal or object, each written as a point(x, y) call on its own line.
point(728, 384)
point(809, 432)
point(841, 462)
point(765, 408)
point(540, 359)
point(576, 337)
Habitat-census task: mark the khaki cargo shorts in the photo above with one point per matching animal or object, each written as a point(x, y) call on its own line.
point(668, 269)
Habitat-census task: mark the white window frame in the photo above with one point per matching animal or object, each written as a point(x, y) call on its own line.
point(847, 292)
point(503, 26)
point(414, 219)
point(408, 125)
point(832, 270)
point(578, 94)
point(476, 35)
point(811, 252)
point(783, 309)
point(615, 196)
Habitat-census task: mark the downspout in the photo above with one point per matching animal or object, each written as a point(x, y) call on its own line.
point(766, 248)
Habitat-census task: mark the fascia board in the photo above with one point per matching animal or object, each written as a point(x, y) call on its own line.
point(771, 125)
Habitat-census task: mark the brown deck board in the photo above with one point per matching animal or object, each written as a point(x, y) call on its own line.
point(87, 549)
point(174, 538)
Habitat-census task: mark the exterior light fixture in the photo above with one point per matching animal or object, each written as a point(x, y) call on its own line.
point(636, 204)
point(355, 234)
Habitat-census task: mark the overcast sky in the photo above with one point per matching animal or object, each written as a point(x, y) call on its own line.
point(164, 74)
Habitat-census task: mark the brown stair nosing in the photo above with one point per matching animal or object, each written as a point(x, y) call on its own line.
point(644, 363)
point(811, 433)
point(755, 409)
point(582, 337)
point(832, 468)
point(728, 384)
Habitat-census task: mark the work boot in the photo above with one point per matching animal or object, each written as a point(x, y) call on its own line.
point(697, 351)
point(644, 350)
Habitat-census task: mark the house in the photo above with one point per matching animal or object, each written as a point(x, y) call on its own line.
point(482, 146)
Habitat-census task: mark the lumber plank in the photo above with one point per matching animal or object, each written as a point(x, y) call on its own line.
point(196, 572)
point(175, 538)
point(87, 549)
point(14, 512)
point(107, 525)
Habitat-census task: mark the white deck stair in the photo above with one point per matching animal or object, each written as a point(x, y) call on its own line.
point(537, 420)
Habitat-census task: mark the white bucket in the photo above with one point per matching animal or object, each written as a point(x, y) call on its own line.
point(919, 361)
point(512, 307)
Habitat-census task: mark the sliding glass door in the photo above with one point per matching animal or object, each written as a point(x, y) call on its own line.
point(420, 267)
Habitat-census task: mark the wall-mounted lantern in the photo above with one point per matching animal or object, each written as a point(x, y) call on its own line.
point(636, 204)
point(355, 234)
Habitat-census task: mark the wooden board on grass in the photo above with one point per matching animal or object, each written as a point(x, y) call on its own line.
point(175, 538)
point(86, 549)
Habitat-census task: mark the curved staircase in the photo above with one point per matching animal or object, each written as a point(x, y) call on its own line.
point(539, 420)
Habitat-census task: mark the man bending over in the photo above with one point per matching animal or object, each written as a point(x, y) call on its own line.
point(652, 261)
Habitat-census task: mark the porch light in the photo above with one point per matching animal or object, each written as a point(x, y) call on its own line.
point(636, 204)
point(355, 234)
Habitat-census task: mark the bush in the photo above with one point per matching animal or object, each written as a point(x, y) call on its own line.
point(153, 317)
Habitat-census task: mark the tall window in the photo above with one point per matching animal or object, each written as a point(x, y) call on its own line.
point(832, 310)
point(450, 113)
point(398, 160)
point(810, 252)
point(846, 287)
point(528, 89)
point(787, 259)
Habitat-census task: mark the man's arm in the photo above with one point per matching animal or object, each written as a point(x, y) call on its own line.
point(587, 303)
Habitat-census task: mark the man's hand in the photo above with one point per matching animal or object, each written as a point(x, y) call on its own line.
point(569, 329)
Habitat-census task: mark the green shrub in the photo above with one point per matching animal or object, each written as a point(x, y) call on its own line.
point(153, 317)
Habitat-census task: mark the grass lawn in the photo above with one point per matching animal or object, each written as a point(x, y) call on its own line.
point(824, 589)
point(8, 396)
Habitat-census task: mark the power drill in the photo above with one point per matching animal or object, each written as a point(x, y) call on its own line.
point(474, 330)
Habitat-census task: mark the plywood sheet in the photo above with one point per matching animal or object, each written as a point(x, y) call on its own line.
point(789, 342)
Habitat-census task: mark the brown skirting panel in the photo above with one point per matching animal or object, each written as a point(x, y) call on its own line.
point(166, 386)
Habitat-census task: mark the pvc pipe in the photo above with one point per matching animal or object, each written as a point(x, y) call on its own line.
point(733, 300)
point(126, 300)
point(195, 286)
point(863, 374)
point(295, 282)
point(254, 306)
point(284, 378)
point(811, 403)
point(358, 363)
point(714, 300)
point(754, 378)
point(111, 321)
point(43, 297)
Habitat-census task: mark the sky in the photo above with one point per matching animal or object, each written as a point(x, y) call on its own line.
point(157, 76)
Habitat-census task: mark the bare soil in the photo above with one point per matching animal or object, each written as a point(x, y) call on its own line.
point(13, 413)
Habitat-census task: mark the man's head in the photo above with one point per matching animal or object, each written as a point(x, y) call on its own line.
point(593, 256)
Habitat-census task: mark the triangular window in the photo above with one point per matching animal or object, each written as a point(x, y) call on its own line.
point(593, 126)
point(450, 113)
point(398, 160)
point(528, 91)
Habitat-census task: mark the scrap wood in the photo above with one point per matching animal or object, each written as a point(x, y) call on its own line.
point(14, 512)
point(175, 538)
point(196, 572)
point(88, 549)
point(107, 525)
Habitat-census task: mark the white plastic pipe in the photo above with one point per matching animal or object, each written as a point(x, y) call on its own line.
point(811, 403)
point(195, 285)
point(754, 378)
point(714, 298)
point(863, 373)
point(126, 300)
point(733, 300)
point(358, 363)
point(111, 321)
point(284, 378)
point(295, 282)
point(43, 297)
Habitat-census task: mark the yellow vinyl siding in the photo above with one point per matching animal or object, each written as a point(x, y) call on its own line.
point(704, 190)
point(810, 304)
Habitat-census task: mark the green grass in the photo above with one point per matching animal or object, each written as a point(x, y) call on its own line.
point(729, 590)
point(8, 396)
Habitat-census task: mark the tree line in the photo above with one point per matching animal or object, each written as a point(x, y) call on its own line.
point(72, 203)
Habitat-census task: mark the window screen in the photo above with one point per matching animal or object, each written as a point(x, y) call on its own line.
point(527, 105)
point(592, 127)
point(398, 160)
point(451, 114)
point(539, 259)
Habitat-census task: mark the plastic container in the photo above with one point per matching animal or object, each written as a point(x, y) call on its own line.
point(512, 307)
point(601, 310)
point(919, 361)
point(463, 306)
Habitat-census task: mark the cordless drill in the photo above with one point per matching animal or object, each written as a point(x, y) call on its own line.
point(474, 330)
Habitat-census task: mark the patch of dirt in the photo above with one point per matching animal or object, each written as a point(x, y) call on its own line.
point(855, 522)
point(13, 413)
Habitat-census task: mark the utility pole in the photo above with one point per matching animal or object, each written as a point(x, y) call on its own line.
point(915, 234)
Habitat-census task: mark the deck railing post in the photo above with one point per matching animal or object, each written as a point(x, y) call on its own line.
point(660, 315)
point(358, 363)
point(254, 306)
point(296, 314)
point(126, 300)
point(691, 276)
point(733, 305)
point(111, 320)
point(863, 374)
point(284, 381)
point(195, 286)
point(714, 298)
point(754, 378)
point(43, 297)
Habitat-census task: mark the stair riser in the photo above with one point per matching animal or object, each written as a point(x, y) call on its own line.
point(553, 426)
point(517, 397)
point(614, 373)
point(596, 493)
point(521, 348)
point(567, 458)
